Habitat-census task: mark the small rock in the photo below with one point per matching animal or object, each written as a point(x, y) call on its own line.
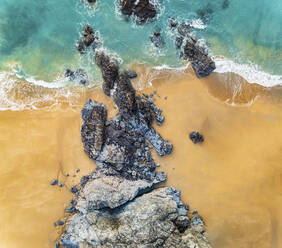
point(195, 212)
point(131, 74)
point(78, 170)
point(196, 137)
point(60, 223)
point(173, 23)
point(61, 184)
point(57, 245)
point(187, 207)
point(54, 182)
point(54, 224)
point(80, 47)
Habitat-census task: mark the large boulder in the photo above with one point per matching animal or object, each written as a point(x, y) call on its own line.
point(105, 188)
point(154, 219)
point(202, 63)
point(143, 9)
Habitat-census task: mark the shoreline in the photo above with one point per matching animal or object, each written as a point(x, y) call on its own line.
point(47, 93)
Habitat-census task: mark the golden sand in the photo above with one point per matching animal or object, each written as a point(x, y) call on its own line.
point(233, 179)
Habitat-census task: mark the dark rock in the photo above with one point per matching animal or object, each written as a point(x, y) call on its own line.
point(57, 245)
point(202, 64)
point(178, 41)
point(78, 170)
point(144, 10)
point(184, 29)
point(61, 184)
point(124, 97)
point(91, 1)
point(60, 223)
point(225, 4)
point(196, 137)
point(80, 47)
point(71, 209)
point(88, 35)
point(54, 182)
point(109, 69)
point(131, 74)
point(94, 117)
point(74, 190)
point(173, 23)
point(69, 74)
point(54, 224)
point(205, 13)
point(157, 39)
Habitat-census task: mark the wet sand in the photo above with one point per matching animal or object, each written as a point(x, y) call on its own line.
point(233, 179)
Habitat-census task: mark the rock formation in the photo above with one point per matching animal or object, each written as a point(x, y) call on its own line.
point(144, 10)
point(118, 205)
point(202, 63)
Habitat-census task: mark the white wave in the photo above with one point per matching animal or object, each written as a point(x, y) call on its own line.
point(198, 24)
point(250, 72)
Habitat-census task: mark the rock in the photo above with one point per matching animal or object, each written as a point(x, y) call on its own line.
point(61, 185)
point(69, 74)
point(54, 182)
point(80, 47)
point(173, 23)
point(125, 97)
point(205, 13)
point(94, 117)
point(156, 219)
point(131, 74)
point(157, 39)
point(109, 69)
point(110, 190)
point(196, 137)
point(225, 4)
point(88, 35)
point(144, 10)
point(91, 1)
point(60, 223)
point(178, 41)
point(184, 30)
point(202, 64)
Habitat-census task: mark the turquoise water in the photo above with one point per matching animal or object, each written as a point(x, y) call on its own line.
point(37, 38)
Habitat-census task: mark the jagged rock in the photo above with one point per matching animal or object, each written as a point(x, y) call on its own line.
point(94, 117)
point(80, 47)
point(157, 39)
point(173, 23)
point(184, 29)
point(196, 137)
point(88, 35)
point(202, 64)
point(178, 41)
point(108, 189)
point(131, 74)
point(125, 97)
point(109, 69)
point(142, 9)
point(154, 219)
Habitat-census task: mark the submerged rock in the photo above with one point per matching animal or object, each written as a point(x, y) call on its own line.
point(157, 39)
point(154, 219)
point(196, 137)
point(144, 10)
point(202, 63)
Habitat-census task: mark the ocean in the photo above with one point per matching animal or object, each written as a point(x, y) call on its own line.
point(37, 38)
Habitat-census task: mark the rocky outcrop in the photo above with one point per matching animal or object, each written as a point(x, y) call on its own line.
point(154, 219)
point(196, 137)
point(144, 10)
point(119, 205)
point(109, 69)
point(202, 63)
point(89, 39)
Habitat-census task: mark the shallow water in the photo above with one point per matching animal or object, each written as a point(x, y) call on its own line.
point(233, 179)
point(37, 39)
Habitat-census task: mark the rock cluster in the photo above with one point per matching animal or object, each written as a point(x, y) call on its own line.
point(118, 204)
point(202, 63)
point(144, 10)
point(89, 39)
